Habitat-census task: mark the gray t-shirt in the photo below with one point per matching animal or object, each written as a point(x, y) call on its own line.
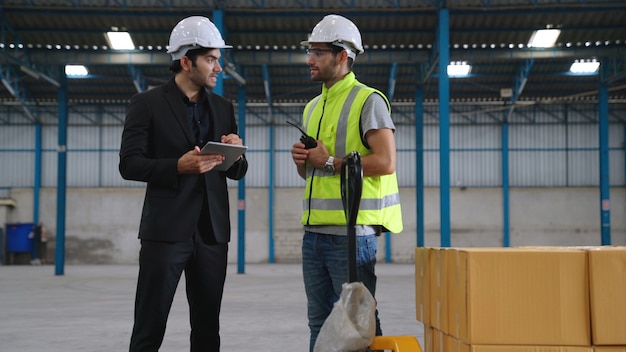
point(374, 115)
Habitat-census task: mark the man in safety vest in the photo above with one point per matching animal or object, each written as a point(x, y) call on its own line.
point(347, 116)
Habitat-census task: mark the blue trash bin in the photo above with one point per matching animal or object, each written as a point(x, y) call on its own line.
point(18, 238)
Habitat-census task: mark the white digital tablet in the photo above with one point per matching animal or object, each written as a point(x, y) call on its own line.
point(231, 153)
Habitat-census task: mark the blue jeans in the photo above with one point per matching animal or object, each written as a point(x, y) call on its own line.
point(325, 269)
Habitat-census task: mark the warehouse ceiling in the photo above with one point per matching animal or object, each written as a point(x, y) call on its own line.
point(400, 38)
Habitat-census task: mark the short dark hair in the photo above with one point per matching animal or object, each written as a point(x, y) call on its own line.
point(336, 49)
point(192, 55)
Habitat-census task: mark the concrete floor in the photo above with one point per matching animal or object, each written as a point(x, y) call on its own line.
point(90, 308)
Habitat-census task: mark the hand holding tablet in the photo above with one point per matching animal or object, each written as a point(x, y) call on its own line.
point(231, 153)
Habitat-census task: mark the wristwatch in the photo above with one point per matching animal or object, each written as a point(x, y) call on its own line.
point(329, 166)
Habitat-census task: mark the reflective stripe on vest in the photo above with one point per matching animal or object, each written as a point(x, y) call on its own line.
point(366, 204)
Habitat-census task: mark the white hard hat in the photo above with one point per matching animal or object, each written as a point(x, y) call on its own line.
point(339, 31)
point(194, 32)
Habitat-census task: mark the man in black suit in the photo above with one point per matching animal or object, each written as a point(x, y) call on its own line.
point(185, 224)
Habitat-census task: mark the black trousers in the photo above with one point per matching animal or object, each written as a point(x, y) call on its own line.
point(160, 267)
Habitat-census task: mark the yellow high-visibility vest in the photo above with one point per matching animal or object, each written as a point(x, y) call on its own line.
point(334, 118)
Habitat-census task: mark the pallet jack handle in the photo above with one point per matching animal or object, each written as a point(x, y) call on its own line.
point(351, 188)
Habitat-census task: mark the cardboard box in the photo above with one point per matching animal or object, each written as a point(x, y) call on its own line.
point(422, 285)
point(519, 296)
point(428, 339)
point(521, 348)
point(609, 349)
point(607, 282)
point(438, 341)
point(438, 289)
point(454, 345)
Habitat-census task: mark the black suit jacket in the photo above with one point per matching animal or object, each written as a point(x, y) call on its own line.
point(156, 133)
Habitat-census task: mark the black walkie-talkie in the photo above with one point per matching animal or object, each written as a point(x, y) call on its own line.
point(309, 142)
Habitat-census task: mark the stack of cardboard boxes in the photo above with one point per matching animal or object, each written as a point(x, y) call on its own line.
point(531, 299)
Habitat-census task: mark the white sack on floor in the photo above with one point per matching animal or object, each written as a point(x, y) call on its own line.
point(351, 326)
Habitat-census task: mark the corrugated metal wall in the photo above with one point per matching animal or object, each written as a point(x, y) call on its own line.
point(555, 146)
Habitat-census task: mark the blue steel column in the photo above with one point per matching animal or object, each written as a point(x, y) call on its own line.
point(218, 20)
point(241, 186)
point(505, 183)
point(271, 190)
point(419, 163)
point(59, 258)
point(37, 188)
point(443, 32)
point(603, 122)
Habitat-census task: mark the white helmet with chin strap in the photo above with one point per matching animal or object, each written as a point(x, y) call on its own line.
point(192, 33)
point(337, 30)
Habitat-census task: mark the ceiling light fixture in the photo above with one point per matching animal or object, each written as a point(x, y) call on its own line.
point(120, 40)
point(544, 38)
point(459, 69)
point(584, 66)
point(76, 70)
